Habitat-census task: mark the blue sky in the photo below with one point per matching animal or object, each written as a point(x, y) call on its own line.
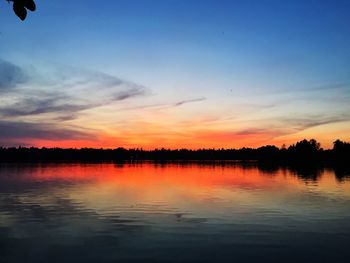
point(248, 65)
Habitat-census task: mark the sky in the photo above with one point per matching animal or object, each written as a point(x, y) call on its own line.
point(175, 73)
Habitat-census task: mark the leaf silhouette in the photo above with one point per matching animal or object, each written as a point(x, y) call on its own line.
point(29, 4)
point(20, 7)
point(20, 10)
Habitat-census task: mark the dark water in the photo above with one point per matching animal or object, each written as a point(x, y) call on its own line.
point(171, 213)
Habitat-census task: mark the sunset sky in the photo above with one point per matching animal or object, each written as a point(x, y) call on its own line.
point(175, 73)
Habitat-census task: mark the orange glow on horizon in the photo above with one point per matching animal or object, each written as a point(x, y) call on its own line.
point(201, 140)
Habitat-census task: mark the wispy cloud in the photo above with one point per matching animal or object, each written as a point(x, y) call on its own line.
point(35, 106)
point(280, 126)
point(55, 99)
point(182, 102)
point(166, 105)
point(259, 131)
point(38, 109)
point(64, 91)
point(42, 131)
point(126, 94)
point(11, 75)
point(313, 120)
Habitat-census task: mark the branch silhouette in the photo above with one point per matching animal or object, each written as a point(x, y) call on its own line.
point(20, 7)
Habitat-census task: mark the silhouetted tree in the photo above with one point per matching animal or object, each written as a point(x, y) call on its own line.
point(305, 151)
point(341, 151)
point(20, 7)
point(306, 146)
point(268, 153)
point(339, 145)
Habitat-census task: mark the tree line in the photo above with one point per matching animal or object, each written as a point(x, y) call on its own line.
point(302, 152)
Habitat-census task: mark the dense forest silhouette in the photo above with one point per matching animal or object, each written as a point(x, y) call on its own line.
point(305, 152)
point(20, 7)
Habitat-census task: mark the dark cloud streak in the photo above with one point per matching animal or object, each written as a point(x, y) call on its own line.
point(31, 106)
point(180, 103)
point(126, 94)
point(166, 105)
point(313, 121)
point(43, 131)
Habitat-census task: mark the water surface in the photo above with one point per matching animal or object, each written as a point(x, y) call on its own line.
point(149, 212)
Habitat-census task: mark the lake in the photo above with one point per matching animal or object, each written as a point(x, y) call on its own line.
point(175, 212)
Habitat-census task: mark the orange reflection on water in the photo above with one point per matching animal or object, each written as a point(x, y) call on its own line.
point(203, 189)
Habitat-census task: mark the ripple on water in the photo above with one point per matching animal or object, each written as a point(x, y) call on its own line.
point(107, 213)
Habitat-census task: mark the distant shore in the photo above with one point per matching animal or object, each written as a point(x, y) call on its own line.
point(305, 152)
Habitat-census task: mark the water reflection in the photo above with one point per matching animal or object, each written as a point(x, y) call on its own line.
point(175, 212)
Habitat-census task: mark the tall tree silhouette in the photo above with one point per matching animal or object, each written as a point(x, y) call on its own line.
point(20, 7)
point(305, 150)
